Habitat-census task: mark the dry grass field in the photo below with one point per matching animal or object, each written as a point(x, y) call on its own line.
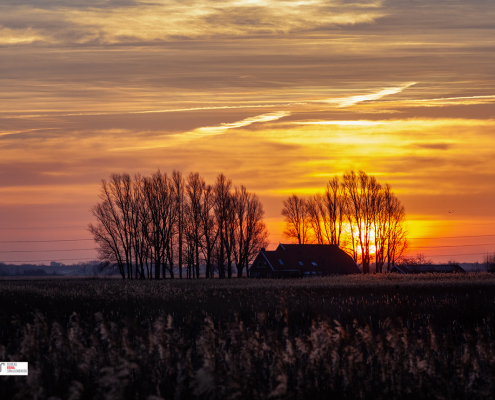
point(356, 337)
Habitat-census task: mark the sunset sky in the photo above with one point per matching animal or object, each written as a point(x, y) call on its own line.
point(278, 95)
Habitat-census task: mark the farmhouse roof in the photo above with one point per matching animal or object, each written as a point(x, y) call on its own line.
point(321, 258)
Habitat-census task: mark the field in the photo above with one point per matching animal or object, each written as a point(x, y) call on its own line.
point(370, 337)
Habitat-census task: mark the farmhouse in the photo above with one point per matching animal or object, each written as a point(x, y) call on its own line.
point(422, 268)
point(302, 260)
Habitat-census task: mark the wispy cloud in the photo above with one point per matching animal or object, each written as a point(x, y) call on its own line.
point(219, 129)
point(352, 100)
point(19, 36)
point(136, 21)
point(342, 123)
point(444, 101)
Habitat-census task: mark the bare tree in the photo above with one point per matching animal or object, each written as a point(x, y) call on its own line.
point(222, 203)
point(112, 233)
point(106, 235)
point(209, 228)
point(138, 219)
point(159, 200)
point(195, 189)
point(334, 203)
point(362, 193)
point(316, 217)
point(351, 244)
point(231, 224)
point(251, 234)
point(255, 231)
point(397, 242)
point(381, 223)
point(297, 225)
point(179, 189)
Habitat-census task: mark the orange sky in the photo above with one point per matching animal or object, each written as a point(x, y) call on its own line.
point(278, 95)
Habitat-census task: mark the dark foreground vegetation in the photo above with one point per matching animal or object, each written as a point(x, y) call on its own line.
point(371, 337)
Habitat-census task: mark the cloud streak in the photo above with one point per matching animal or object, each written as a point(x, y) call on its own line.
point(353, 100)
point(19, 36)
point(444, 101)
point(222, 128)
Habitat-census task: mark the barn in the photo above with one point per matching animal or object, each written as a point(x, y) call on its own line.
point(302, 260)
point(424, 268)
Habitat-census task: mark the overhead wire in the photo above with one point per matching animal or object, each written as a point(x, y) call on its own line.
point(42, 227)
point(273, 234)
point(42, 251)
point(460, 245)
point(35, 261)
point(437, 247)
point(452, 237)
point(44, 241)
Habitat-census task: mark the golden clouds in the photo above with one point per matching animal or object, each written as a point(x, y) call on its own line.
point(19, 36)
point(166, 19)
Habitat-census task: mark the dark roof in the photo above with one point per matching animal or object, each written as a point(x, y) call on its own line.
point(421, 268)
point(324, 258)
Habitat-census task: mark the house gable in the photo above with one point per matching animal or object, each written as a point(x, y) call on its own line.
point(261, 266)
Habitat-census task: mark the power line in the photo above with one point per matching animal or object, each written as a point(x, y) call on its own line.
point(461, 224)
point(45, 227)
point(81, 240)
point(44, 241)
point(437, 237)
point(436, 247)
point(459, 245)
point(452, 237)
point(454, 255)
point(42, 251)
point(35, 261)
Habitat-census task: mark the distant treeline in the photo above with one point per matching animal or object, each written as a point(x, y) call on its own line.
point(147, 226)
point(81, 268)
point(27, 272)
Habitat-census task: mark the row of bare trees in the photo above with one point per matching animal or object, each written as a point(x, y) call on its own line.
point(151, 227)
point(356, 213)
